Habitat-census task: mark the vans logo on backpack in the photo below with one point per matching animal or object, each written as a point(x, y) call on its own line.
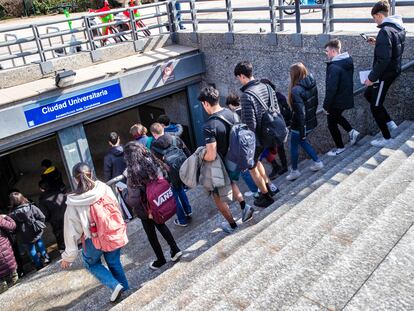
point(163, 197)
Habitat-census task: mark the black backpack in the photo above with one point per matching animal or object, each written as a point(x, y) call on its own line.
point(242, 143)
point(284, 108)
point(174, 157)
point(272, 131)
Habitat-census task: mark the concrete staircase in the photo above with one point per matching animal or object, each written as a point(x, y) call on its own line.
point(338, 238)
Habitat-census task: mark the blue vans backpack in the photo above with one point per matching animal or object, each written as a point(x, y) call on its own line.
point(242, 144)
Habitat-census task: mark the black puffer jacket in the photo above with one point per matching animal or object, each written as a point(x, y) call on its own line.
point(389, 47)
point(252, 110)
point(339, 83)
point(304, 106)
point(114, 163)
point(25, 231)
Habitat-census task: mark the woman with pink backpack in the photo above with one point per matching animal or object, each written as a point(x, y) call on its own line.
point(93, 216)
point(151, 198)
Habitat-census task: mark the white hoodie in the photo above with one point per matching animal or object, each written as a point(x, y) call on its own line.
point(77, 217)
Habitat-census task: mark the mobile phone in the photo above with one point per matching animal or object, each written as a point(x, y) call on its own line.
point(364, 36)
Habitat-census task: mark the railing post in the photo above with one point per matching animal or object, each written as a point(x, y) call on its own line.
point(297, 16)
point(229, 12)
point(38, 43)
point(194, 16)
point(132, 20)
point(173, 16)
point(281, 17)
point(331, 16)
point(393, 7)
point(272, 16)
point(89, 33)
point(325, 17)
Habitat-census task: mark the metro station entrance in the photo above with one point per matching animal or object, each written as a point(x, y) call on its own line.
point(175, 106)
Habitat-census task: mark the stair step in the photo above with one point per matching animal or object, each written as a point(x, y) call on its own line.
point(301, 273)
point(248, 266)
point(185, 277)
point(391, 285)
point(343, 279)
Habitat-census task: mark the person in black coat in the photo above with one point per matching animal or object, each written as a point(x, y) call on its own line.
point(303, 100)
point(389, 47)
point(52, 175)
point(114, 163)
point(339, 94)
point(52, 202)
point(30, 223)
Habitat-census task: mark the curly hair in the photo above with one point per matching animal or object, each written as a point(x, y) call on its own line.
point(142, 165)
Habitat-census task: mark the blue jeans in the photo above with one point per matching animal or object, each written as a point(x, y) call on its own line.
point(249, 181)
point(183, 205)
point(111, 276)
point(35, 247)
point(295, 141)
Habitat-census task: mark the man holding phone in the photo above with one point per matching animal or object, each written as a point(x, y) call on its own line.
point(389, 47)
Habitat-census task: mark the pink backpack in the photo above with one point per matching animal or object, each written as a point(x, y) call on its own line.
point(107, 226)
point(160, 200)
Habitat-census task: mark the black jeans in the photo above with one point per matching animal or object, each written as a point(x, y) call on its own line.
point(375, 95)
point(282, 155)
point(149, 227)
point(334, 118)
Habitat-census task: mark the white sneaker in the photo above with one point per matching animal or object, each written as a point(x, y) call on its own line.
point(116, 293)
point(381, 142)
point(335, 152)
point(248, 194)
point(353, 136)
point(316, 166)
point(294, 174)
point(391, 126)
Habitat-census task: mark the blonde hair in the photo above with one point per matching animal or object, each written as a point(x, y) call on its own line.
point(298, 72)
point(138, 130)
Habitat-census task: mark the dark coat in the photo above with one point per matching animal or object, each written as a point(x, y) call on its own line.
point(389, 47)
point(339, 83)
point(252, 110)
point(304, 106)
point(114, 163)
point(7, 260)
point(53, 177)
point(21, 215)
point(53, 205)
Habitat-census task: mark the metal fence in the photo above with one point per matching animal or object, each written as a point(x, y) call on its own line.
point(38, 43)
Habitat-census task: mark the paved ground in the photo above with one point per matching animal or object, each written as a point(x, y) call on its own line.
point(210, 27)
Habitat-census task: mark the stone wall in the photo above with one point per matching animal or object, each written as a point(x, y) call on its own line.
point(272, 57)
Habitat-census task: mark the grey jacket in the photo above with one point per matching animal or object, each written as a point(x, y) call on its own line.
point(212, 175)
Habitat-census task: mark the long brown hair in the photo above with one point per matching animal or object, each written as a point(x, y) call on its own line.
point(298, 72)
point(17, 199)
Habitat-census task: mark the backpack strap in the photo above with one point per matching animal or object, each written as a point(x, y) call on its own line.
point(221, 118)
point(271, 98)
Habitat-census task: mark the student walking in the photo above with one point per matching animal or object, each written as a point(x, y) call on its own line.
point(139, 132)
point(303, 99)
point(114, 163)
point(86, 219)
point(172, 149)
point(52, 203)
point(142, 169)
point(30, 223)
point(8, 265)
point(339, 94)
point(217, 139)
point(389, 47)
point(252, 113)
point(175, 129)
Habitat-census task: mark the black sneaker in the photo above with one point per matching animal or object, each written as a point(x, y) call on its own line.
point(263, 201)
point(274, 174)
point(155, 265)
point(175, 255)
point(283, 170)
point(272, 190)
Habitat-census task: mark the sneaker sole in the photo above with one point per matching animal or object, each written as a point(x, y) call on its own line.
point(154, 268)
point(118, 295)
point(180, 225)
point(249, 218)
point(177, 256)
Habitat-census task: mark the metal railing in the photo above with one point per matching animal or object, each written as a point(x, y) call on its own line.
point(38, 43)
point(277, 16)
